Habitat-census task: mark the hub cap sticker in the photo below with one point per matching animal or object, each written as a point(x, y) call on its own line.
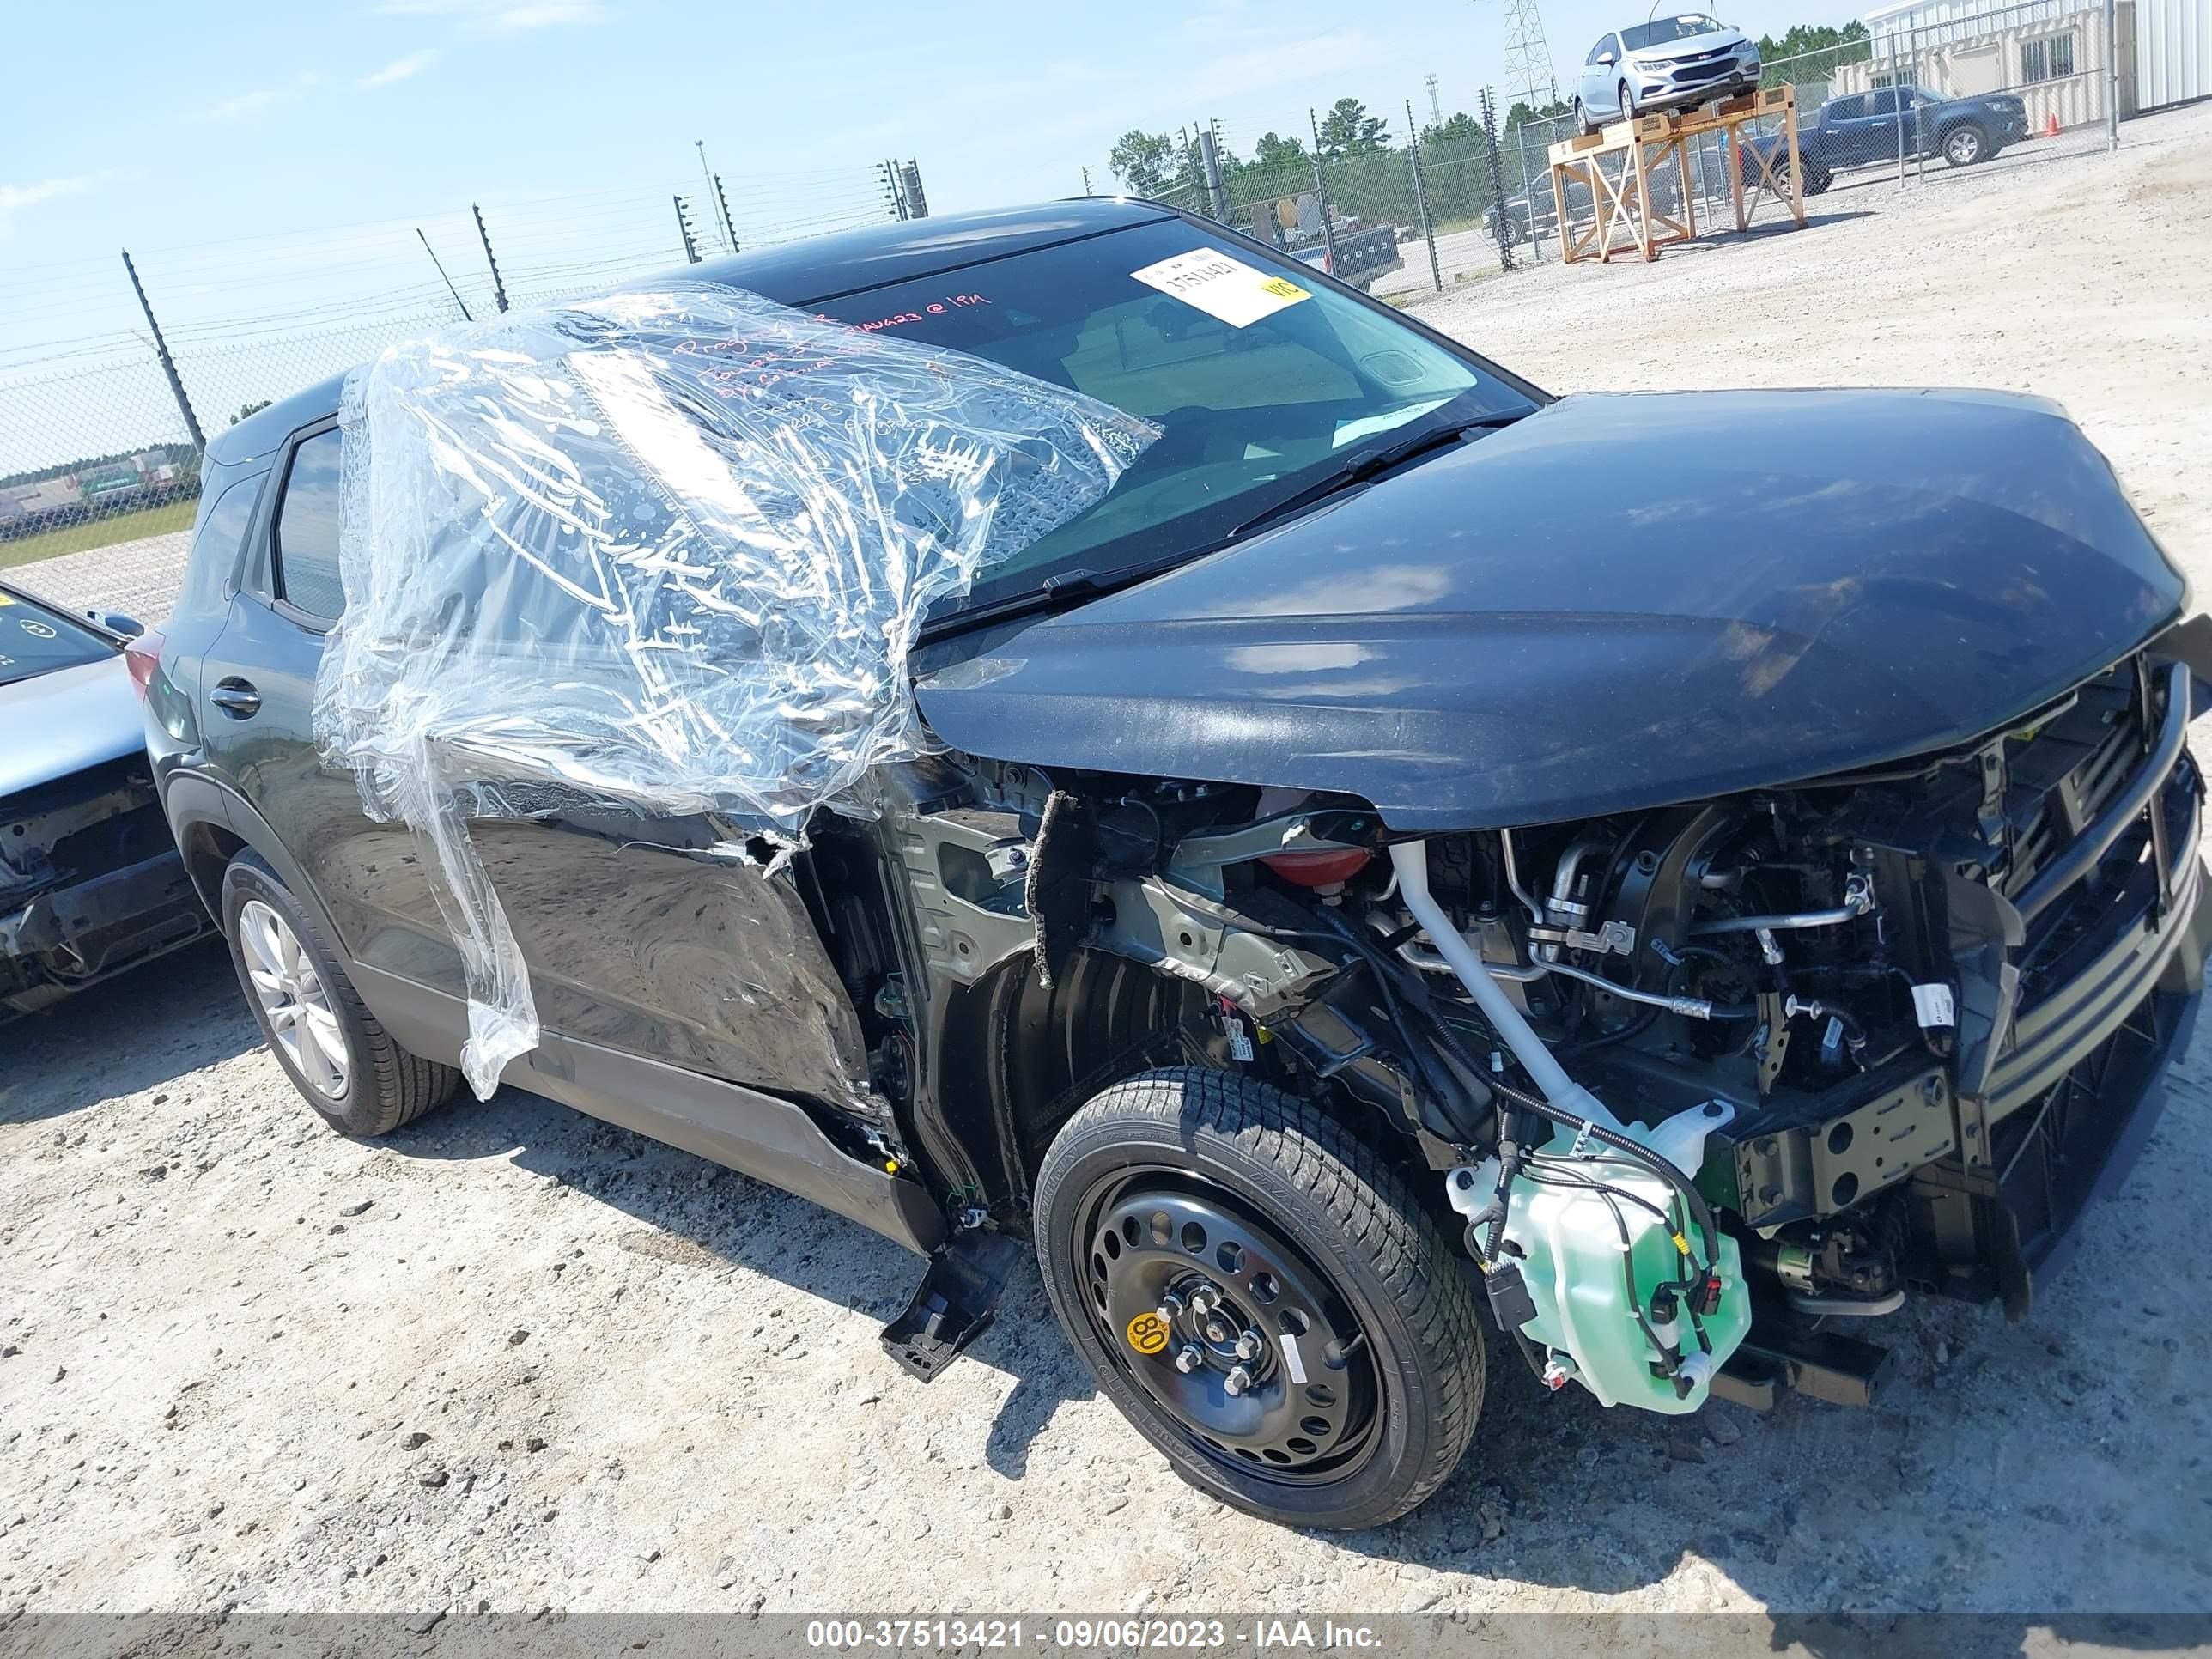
point(1148, 1333)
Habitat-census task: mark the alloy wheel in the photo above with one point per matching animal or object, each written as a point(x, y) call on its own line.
point(1963, 148)
point(294, 999)
point(1232, 1333)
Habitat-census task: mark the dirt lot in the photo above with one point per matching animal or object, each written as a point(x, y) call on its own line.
point(512, 1359)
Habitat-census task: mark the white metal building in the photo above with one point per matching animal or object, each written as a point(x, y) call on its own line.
point(2166, 44)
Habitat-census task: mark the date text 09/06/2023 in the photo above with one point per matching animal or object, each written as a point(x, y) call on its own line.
point(1256, 1634)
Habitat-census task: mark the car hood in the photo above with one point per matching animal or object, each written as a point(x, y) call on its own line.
point(62, 722)
point(1620, 602)
point(1688, 47)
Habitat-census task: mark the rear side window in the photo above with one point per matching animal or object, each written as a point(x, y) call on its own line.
point(307, 539)
point(222, 528)
point(1845, 109)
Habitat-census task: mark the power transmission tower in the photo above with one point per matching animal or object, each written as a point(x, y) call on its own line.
point(1529, 76)
point(1435, 109)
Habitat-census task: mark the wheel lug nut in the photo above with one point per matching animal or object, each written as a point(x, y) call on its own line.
point(1170, 1306)
point(1249, 1344)
point(1215, 1332)
point(1237, 1381)
point(1189, 1358)
point(1206, 1298)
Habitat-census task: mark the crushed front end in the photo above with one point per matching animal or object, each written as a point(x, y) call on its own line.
point(90, 883)
point(1711, 1085)
point(1934, 1001)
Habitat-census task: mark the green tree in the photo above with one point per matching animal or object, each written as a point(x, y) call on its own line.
point(1812, 52)
point(1522, 115)
point(1349, 130)
point(1274, 151)
point(246, 410)
point(1460, 125)
point(1144, 161)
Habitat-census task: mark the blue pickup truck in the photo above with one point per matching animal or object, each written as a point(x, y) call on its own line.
point(1866, 129)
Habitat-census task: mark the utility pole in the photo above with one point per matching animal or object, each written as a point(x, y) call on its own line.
point(448, 281)
point(729, 237)
point(168, 363)
point(1435, 109)
point(1086, 181)
point(498, 287)
point(684, 225)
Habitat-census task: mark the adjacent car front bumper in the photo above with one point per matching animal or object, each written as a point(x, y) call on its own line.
point(1670, 86)
point(91, 884)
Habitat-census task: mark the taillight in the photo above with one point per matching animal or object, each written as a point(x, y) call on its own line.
point(142, 656)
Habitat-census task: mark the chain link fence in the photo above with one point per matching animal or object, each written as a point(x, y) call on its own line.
point(1912, 104)
point(97, 454)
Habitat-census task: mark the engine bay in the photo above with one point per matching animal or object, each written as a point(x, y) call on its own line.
point(1678, 1071)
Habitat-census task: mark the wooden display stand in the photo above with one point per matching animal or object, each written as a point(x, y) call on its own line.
point(1618, 163)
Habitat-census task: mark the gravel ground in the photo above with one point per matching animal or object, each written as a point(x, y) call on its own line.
point(511, 1358)
point(139, 579)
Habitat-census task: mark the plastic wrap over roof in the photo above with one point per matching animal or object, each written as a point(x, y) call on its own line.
point(668, 548)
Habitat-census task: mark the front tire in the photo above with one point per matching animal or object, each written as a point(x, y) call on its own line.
point(1353, 1319)
point(1966, 144)
point(342, 1062)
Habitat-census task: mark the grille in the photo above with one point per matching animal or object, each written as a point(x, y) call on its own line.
point(2060, 779)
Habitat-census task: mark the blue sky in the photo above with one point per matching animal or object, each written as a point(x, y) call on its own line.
point(268, 163)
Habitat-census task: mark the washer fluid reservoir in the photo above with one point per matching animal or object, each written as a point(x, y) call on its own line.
point(1619, 1308)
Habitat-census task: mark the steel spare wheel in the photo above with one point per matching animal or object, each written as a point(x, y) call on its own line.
point(1232, 1332)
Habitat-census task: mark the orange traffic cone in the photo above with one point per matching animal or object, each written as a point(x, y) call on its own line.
point(2050, 126)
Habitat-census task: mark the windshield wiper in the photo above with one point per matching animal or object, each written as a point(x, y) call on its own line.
point(1056, 590)
point(1371, 464)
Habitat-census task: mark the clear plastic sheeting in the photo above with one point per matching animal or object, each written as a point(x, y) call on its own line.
point(666, 549)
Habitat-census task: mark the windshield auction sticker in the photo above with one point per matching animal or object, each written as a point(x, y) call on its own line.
point(1238, 294)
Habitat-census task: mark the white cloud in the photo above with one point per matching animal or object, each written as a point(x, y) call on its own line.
point(400, 69)
point(262, 97)
point(505, 15)
point(15, 197)
point(246, 103)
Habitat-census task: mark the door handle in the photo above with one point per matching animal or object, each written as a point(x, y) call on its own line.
point(236, 698)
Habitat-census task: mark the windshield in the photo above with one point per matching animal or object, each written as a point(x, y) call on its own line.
point(1261, 380)
point(1659, 32)
point(35, 640)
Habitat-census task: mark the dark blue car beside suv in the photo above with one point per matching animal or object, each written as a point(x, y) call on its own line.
point(1411, 845)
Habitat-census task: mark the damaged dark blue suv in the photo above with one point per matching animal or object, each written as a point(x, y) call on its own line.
point(1684, 873)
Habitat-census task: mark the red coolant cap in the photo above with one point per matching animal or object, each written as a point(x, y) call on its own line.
point(1325, 869)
